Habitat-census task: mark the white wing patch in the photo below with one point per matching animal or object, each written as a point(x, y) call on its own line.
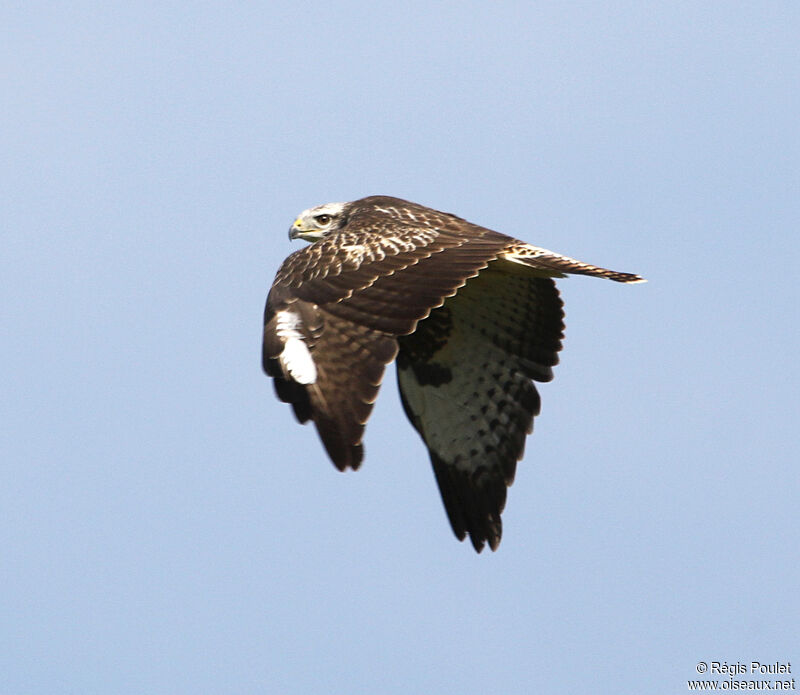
point(295, 358)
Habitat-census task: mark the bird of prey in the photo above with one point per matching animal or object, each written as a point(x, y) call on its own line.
point(472, 317)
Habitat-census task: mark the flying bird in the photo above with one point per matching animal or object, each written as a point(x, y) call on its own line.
point(471, 316)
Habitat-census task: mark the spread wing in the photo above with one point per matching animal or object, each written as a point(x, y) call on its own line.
point(465, 382)
point(336, 308)
point(330, 370)
point(473, 317)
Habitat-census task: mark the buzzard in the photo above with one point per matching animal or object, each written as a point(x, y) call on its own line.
point(472, 317)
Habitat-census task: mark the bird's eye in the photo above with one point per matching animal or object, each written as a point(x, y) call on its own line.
point(323, 219)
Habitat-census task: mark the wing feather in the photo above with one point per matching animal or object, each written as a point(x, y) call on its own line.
point(475, 316)
point(558, 265)
point(352, 294)
point(465, 378)
point(349, 361)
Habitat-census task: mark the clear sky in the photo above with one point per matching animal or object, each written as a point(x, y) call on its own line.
point(165, 524)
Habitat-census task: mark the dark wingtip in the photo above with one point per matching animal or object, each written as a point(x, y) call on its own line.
point(482, 537)
point(342, 454)
point(471, 511)
point(628, 278)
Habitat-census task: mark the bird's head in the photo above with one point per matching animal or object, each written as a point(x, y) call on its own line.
point(316, 223)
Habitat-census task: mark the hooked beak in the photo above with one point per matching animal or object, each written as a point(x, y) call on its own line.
point(296, 230)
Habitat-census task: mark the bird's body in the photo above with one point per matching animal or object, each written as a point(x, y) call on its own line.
point(472, 317)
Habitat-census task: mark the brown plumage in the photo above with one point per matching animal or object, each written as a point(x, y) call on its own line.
point(472, 316)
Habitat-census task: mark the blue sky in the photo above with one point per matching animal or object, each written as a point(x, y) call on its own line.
point(166, 526)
